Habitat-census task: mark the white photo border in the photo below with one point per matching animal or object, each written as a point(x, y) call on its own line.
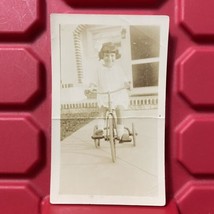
point(61, 19)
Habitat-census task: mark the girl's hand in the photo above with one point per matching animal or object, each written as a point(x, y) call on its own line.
point(92, 87)
point(127, 85)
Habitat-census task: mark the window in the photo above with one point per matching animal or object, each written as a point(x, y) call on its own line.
point(145, 45)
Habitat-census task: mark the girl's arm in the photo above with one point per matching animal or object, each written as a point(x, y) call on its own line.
point(127, 85)
point(127, 82)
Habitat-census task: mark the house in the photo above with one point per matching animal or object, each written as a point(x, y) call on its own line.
point(139, 47)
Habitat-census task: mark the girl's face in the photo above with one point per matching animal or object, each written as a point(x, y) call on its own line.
point(109, 59)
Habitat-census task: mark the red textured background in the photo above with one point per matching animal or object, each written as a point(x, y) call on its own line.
point(25, 104)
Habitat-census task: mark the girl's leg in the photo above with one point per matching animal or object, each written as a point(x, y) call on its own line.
point(120, 126)
point(101, 120)
point(122, 134)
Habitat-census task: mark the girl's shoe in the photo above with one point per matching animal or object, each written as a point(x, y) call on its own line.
point(98, 134)
point(125, 138)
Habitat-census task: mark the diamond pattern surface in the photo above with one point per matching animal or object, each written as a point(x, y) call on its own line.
point(20, 146)
point(196, 76)
point(25, 102)
point(18, 197)
point(196, 17)
point(19, 17)
point(20, 76)
point(194, 152)
point(193, 195)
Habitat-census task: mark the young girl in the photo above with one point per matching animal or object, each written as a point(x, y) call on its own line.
point(110, 77)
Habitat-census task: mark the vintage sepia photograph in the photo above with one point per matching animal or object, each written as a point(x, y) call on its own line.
point(108, 109)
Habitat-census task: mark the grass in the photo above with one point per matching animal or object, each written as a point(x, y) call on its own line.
point(71, 122)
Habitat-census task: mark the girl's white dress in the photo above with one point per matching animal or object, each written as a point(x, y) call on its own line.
point(111, 79)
